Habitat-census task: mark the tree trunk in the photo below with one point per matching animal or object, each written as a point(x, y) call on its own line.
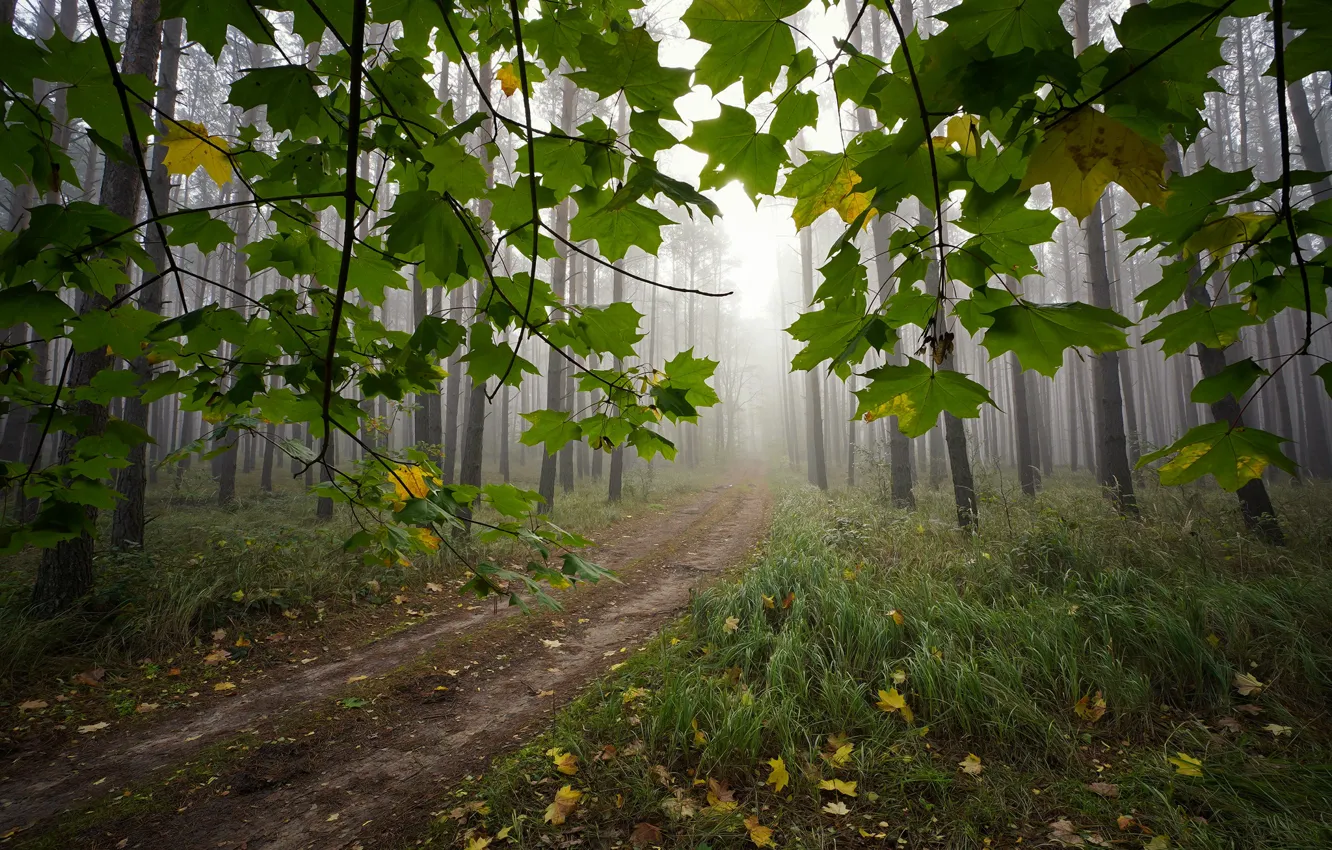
point(66, 571)
point(818, 470)
point(1028, 474)
point(127, 525)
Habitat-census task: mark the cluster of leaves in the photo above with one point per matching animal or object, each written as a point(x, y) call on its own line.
point(438, 218)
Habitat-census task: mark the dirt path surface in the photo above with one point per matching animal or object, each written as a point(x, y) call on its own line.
point(284, 766)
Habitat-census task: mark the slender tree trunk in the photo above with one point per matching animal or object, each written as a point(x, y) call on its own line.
point(615, 486)
point(66, 571)
point(127, 525)
point(1028, 474)
point(818, 470)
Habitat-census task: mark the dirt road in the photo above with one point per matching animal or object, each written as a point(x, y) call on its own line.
point(285, 766)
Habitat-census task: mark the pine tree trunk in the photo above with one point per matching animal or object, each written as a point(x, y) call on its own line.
point(1028, 474)
point(818, 470)
point(615, 485)
point(65, 572)
point(270, 447)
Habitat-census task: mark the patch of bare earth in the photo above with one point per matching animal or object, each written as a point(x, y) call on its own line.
point(439, 702)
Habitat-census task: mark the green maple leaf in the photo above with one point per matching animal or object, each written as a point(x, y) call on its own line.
point(1215, 327)
point(828, 331)
point(201, 229)
point(1195, 199)
point(689, 374)
point(748, 41)
point(1006, 229)
point(648, 134)
point(562, 163)
point(44, 311)
point(1008, 26)
point(1234, 380)
point(631, 65)
point(737, 151)
point(916, 395)
point(795, 111)
point(487, 359)
point(288, 91)
point(1232, 455)
point(552, 428)
point(455, 171)
point(616, 229)
point(207, 22)
point(603, 330)
point(1039, 334)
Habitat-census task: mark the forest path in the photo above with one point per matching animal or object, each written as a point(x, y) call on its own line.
point(283, 766)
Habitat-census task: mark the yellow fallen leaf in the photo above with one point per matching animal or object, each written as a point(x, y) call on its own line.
point(1090, 708)
point(189, 146)
point(224, 686)
point(361, 678)
point(769, 602)
point(1277, 729)
point(1186, 765)
point(841, 786)
point(760, 835)
point(1247, 685)
point(145, 707)
point(566, 800)
point(778, 778)
point(478, 842)
point(551, 644)
point(503, 834)
point(890, 701)
point(899, 676)
point(93, 727)
point(840, 756)
point(720, 797)
point(971, 764)
point(897, 617)
point(566, 763)
point(333, 817)
point(732, 623)
point(837, 808)
point(700, 737)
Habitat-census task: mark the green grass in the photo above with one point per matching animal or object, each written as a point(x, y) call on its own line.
point(264, 561)
point(1001, 635)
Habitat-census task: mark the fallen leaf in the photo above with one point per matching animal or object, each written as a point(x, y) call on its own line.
point(732, 623)
point(1064, 832)
point(551, 644)
point(837, 808)
point(841, 786)
point(1090, 708)
point(399, 599)
point(431, 587)
point(361, 678)
point(632, 694)
point(1247, 685)
point(700, 737)
point(219, 635)
point(1126, 822)
point(897, 617)
point(242, 641)
point(566, 763)
point(840, 756)
point(607, 753)
point(503, 834)
point(971, 764)
point(216, 657)
point(769, 602)
point(720, 797)
point(224, 686)
point(32, 705)
point(778, 778)
point(1250, 709)
point(93, 727)
point(544, 694)
point(332, 817)
point(478, 842)
point(644, 834)
point(890, 701)
point(1229, 724)
point(1277, 729)
point(145, 707)
point(566, 800)
point(760, 835)
point(1160, 842)
point(899, 677)
point(92, 678)
point(1104, 789)
point(790, 598)
point(1186, 765)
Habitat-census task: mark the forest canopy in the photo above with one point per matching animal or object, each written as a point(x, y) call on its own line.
point(233, 250)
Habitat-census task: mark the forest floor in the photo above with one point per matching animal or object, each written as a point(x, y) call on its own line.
point(353, 749)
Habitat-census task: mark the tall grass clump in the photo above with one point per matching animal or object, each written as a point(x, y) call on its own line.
point(994, 641)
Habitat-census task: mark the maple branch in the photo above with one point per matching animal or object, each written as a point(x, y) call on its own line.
point(602, 261)
point(349, 208)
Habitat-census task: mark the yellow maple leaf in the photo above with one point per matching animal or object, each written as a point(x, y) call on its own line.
point(566, 800)
point(890, 701)
point(838, 194)
point(963, 131)
point(1090, 708)
point(566, 763)
point(720, 797)
point(1218, 236)
point(760, 835)
point(971, 764)
point(732, 623)
point(840, 756)
point(841, 786)
point(700, 737)
point(1186, 765)
point(837, 808)
point(778, 778)
point(897, 617)
point(1247, 685)
point(508, 79)
point(189, 146)
point(1085, 152)
point(769, 602)
point(478, 842)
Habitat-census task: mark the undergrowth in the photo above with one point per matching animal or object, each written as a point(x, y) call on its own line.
point(993, 641)
point(265, 560)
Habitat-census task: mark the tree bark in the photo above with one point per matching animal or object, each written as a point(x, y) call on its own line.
point(1028, 474)
point(65, 572)
point(818, 470)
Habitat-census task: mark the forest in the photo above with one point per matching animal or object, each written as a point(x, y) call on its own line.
point(665, 424)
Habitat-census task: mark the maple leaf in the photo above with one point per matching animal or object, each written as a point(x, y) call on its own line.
point(732, 624)
point(32, 705)
point(1247, 685)
point(644, 834)
point(145, 707)
point(189, 146)
point(778, 778)
point(93, 727)
point(890, 701)
point(971, 764)
point(1277, 729)
point(1126, 822)
point(897, 617)
point(769, 602)
point(700, 737)
point(92, 678)
point(837, 808)
point(899, 677)
point(841, 786)
point(566, 800)
point(478, 842)
point(1065, 833)
point(1090, 708)
point(1186, 765)
point(566, 763)
point(790, 598)
point(1085, 151)
point(1104, 789)
point(509, 79)
point(840, 756)
point(224, 686)
point(720, 797)
point(760, 835)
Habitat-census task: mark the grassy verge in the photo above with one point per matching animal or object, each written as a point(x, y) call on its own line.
point(992, 643)
point(263, 565)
